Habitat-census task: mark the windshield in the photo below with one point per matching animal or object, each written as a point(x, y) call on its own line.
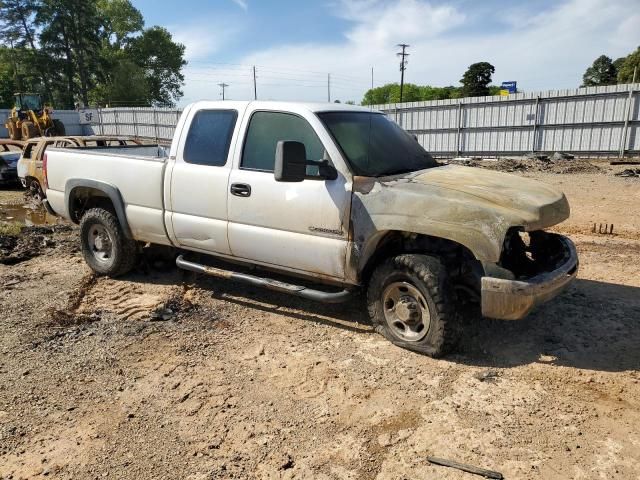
point(28, 102)
point(374, 145)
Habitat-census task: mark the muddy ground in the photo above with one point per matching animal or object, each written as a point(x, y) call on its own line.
point(163, 374)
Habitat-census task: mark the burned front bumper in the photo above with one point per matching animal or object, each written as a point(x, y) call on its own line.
point(513, 299)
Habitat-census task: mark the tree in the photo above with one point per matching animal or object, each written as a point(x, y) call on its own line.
point(601, 72)
point(126, 85)
point(71, 33)
point(390, 93)
point(7, 86)
point(87, 50)
point(625, 71)
point(162, 59)
point(17, 31)
point(476, 80)
point(120, 22)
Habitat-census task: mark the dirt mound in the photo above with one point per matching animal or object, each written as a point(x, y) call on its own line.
point(535, 164)
point(34, 241)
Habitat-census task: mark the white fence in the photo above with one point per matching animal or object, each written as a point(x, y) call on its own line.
point(583, 121)
point(157, 124)
point(587, 121)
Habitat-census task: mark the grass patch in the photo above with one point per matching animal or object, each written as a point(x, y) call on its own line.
point(11, 229)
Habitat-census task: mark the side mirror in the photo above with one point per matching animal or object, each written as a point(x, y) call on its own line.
point(291, 162)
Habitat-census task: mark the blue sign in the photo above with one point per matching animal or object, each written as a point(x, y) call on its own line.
point(511, 87)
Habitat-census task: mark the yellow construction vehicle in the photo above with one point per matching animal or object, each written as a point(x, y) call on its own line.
point(29, 118)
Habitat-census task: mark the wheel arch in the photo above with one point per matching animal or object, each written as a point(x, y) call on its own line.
point(389, 243)
point(83, 194)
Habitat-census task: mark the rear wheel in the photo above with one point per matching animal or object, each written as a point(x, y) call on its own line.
point(104, 246)
point(58, 128)
point(411, 303)
point(34, 189)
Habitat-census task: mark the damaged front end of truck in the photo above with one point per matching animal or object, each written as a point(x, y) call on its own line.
point(489, 228)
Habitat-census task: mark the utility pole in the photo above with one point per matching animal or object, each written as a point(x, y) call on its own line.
point(371, 78)
point(223, 86)
point(329, 87)
point(403, 65)
point(255, 88)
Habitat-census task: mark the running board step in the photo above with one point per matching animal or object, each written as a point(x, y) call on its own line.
point(297, 290)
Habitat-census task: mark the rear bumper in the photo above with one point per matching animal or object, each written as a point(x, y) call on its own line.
point(514, 299)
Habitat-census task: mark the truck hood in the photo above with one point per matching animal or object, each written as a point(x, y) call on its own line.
point(539, 204)
point(471, 206)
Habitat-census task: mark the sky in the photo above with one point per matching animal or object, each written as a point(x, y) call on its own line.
point(296, 44)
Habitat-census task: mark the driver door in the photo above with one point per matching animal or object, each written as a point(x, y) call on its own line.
point(302, 227)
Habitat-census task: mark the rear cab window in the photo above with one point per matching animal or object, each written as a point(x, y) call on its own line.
point(209, 137)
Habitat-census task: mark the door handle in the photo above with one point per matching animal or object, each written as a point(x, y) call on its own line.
point(240, 189)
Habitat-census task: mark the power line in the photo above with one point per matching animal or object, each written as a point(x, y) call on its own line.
point(274, 69)
point(403, 65)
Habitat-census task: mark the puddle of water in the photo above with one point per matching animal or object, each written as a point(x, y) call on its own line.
point(26, 215)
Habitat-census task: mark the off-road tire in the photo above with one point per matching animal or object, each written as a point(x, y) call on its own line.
point(34, 189)
point(58, 128)
point(123, 251)
point(428, 276)
point(14, 132)
point(29, 130)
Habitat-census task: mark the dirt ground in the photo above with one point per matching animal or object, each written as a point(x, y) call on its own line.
point(163, 374)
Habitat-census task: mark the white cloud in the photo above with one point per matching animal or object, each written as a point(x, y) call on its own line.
point(540, 49)
point(202, 41)
point(242, 4)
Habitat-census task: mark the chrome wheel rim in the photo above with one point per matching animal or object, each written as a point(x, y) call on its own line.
point(100, 244)
point(406, 311)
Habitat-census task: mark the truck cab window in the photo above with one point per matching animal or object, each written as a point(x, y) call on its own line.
point(266, 129)
point(209, 137)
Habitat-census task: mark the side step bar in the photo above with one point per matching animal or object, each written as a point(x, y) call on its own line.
point(297, 290)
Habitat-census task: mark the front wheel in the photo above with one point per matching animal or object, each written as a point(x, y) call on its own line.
point(411, 303)
point(29, 130)
point(105, 247)
point(14, 132)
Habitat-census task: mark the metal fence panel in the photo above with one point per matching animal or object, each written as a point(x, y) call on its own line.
point(584, 121)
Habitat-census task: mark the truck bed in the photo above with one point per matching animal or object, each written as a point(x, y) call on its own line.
point(137, 171)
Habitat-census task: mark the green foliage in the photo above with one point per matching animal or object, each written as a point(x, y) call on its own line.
point(390, 93)
point(121, 21)
point(10, 229)
point(602, 72)
point(6, 79)
point(476, 80)
point(162, 59)
point(625, 70)
point(88, 51)
point(126, 85)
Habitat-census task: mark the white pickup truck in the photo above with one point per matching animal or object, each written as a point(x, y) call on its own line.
point(340, 196)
